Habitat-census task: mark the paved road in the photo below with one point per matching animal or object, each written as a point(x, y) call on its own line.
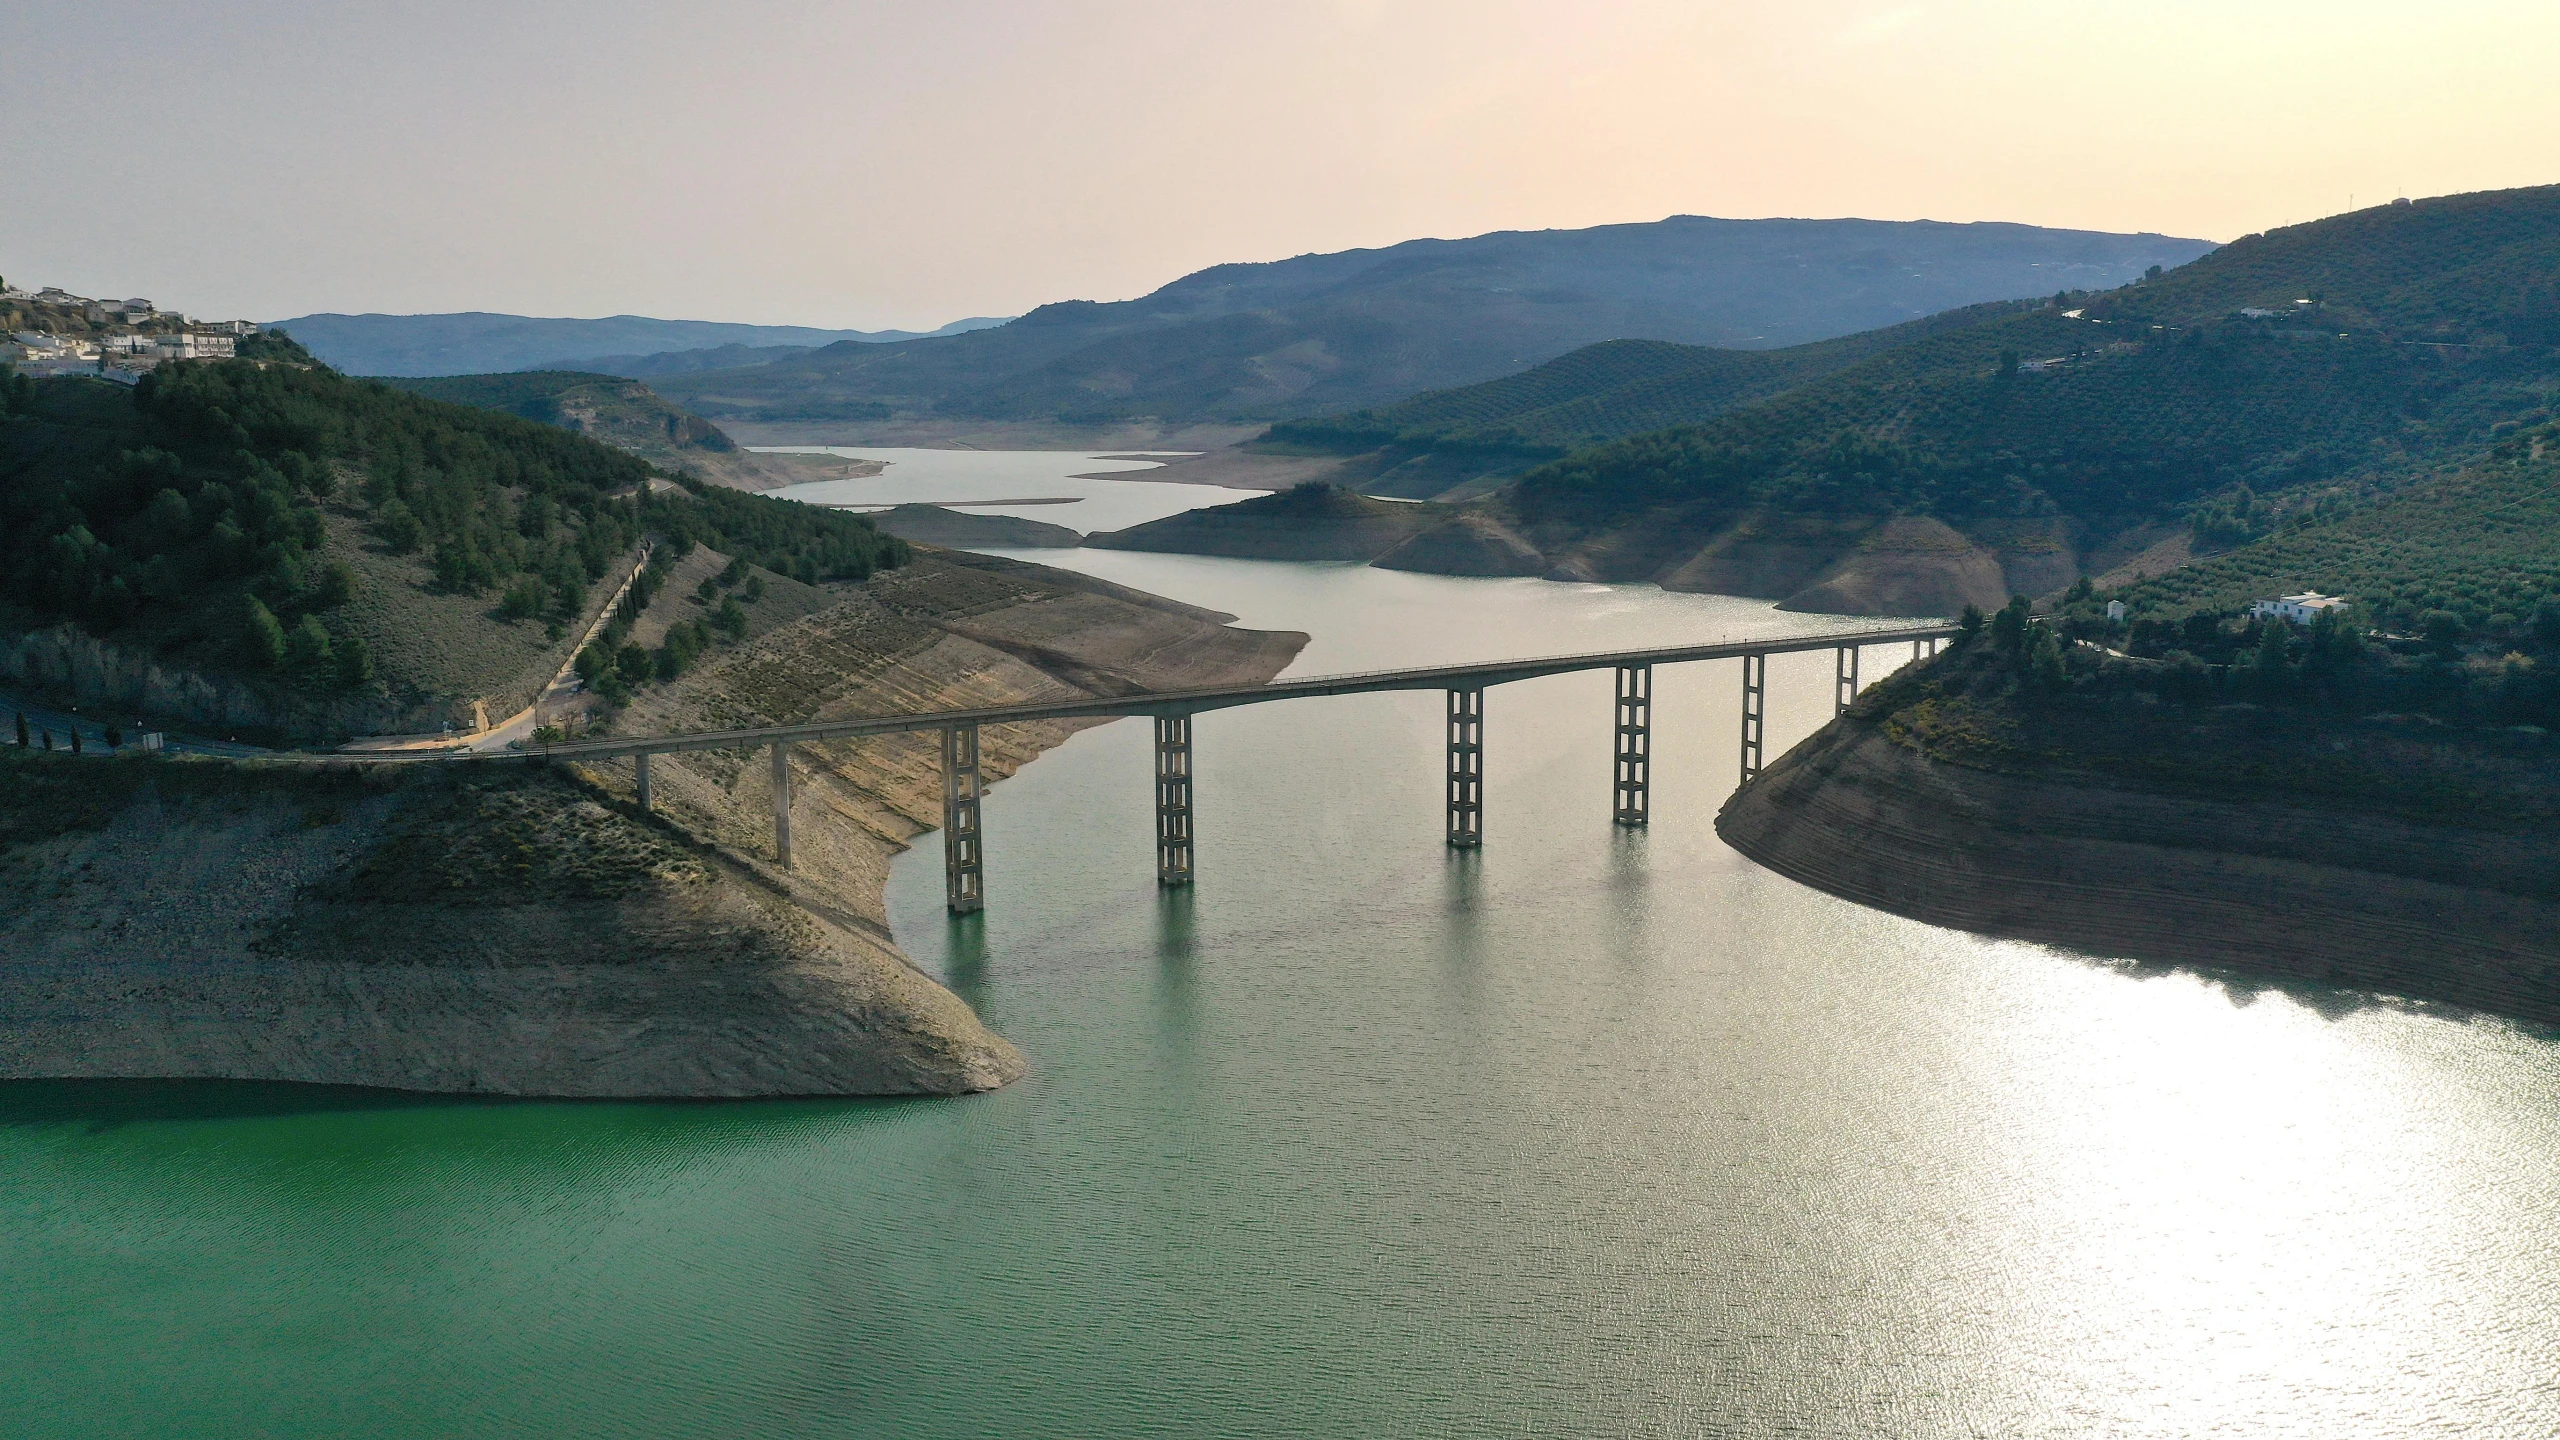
point(91, 726)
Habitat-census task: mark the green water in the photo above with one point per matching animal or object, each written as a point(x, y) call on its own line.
point(1592, 1133)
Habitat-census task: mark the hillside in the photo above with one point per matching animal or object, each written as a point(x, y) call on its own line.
point(2027, 446)
point(284, 551)
point(2481, 543)
point(624, 414)
point(476, 341)
point(1362, 328)
point(1444, 440)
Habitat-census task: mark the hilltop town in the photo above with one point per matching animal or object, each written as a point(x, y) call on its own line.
point(54, 332)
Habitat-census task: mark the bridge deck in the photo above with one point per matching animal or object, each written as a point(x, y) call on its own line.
point(1192, 702)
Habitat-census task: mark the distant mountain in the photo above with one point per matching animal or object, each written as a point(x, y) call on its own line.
point(678, 362)
point(1366, 327)
point(477, 342)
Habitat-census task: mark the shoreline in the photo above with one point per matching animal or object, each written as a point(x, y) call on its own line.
point(2157, 879)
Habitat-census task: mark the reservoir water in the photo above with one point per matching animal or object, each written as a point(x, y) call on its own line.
point(1591, 1133)
point(1101, 492)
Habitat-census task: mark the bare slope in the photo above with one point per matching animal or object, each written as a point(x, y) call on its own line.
point(2326, 806)
point(1312, 521)
point(2362, 900)
point(936, 525)
point(500, 933)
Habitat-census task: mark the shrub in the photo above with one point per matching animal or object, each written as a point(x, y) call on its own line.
point(355, 662)
point(525, 599)
point(2443, 629)
point(336, 585)
point(2044, 663)
point(397, 527)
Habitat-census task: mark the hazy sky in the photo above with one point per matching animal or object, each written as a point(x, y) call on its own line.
point(902, 164)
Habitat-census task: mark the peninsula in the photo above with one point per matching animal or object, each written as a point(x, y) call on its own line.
point(2364, 801)
point(281, 553)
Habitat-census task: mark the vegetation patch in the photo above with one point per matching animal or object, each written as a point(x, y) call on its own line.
point(319, 535)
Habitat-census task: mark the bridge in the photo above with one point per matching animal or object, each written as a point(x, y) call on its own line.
point(963, 845)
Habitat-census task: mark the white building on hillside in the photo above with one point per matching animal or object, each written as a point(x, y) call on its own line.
point(2301, 609)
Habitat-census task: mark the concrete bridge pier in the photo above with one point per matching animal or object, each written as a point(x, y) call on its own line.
point(1847, 674)
point(1635, 743)
point(1755, 694)
point(782, 802)
point(1466, 768)
point(640, 774)
point(1173, 799)
point(963, 848)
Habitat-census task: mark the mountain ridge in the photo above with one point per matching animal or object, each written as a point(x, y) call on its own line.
point(1285, 338)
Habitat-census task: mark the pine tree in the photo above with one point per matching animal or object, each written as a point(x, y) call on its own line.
point(355, 663)
point(261, 638)
point(2044, 663)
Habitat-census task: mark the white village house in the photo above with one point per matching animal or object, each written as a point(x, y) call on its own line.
point(2301, 609)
